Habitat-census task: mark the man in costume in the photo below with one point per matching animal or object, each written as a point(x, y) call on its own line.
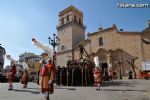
point(46, 71)
point(52, 71)
point(25, 75)
point(11, 72)
point(46, 79)
point(97, 71)
point(110, 73)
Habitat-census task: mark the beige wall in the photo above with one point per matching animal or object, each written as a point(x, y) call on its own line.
point(130, 43)
point(78, 35)
point(146, 48)
point(62, 58)
point(108, 40)
point(70, 33)
point(65, 39)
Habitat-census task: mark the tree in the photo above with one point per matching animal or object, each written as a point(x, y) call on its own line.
point(132, 65)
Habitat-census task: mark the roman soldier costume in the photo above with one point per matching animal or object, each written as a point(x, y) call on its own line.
point(46, 79)
point(47, 70)
point(52, 71)
point(97, 74)
point(25, 75)
point(11, 72)
point(110, 73)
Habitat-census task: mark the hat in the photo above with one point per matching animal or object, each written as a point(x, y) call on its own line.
point(96, 60)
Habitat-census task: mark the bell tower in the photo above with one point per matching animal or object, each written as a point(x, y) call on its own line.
point(71, 32)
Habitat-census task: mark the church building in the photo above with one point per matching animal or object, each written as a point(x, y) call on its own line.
point(121, 50)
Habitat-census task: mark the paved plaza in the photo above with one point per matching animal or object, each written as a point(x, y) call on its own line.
point(118, 90)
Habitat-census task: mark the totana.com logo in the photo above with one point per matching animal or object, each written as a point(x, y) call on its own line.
point(133, 5)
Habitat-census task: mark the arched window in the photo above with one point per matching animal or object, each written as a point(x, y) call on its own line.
point(62, 21)
point(67, 18)
point(101, 41)
point(79, 21)
point(75, 18)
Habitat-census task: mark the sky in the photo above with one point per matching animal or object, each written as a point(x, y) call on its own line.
point(21, 20)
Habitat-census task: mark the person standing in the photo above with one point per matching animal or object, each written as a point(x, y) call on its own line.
point(25, 75)
point(98, 75)
point(46, 79)
point(110, 73)
point(52, 71)
point(46, 76)
point(11, 71)
point(11, 75)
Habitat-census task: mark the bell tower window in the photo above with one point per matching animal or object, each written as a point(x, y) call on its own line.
point(67, 18)
point(101, 43)
point(75, 18)
point(79, 21)
point(62, 21)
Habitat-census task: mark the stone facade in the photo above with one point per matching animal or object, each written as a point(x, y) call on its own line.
point(2, 58)
point(119, 48)
point(33, 62)
point(71, 32)
point(112, 46)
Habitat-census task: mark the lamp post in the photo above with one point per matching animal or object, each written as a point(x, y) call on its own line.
point(54, 42)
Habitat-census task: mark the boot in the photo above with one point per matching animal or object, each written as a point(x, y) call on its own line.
point(47, 98)
point(10, 87)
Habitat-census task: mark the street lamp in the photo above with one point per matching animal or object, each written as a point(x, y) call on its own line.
point(54, 42)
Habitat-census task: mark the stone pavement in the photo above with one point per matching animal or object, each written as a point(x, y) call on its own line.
point(118, 90)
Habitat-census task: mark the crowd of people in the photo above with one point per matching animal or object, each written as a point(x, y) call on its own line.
point(46, 79)
point(74, 76)
point(81, 73)
point(78, 74)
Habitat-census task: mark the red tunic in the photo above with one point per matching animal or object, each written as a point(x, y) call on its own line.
point(110, 73)
point(97, 75)
point(44, 73)
point(11, 73)
point(24, 79)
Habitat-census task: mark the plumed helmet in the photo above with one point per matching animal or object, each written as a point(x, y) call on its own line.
point(96, 61)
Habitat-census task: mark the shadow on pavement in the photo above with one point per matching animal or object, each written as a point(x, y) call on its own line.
point(65, 88)
point(119, 83)
point(33, 92)
point(34, 88)
point(123, 90)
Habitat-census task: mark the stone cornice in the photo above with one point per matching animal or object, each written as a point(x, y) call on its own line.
point(70, 9)
point(71, 23)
